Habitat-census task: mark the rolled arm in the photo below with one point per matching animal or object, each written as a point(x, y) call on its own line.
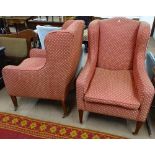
point(83, 82)
point(86, 75)
point(18, 81)
point(35, 52)
point(144, 86)
point(145, 89)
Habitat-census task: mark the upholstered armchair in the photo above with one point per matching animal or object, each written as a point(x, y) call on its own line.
point(47, 73)
point(114, 81)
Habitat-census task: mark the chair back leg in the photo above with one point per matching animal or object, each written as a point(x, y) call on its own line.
point(81, 116)
point(64, 106)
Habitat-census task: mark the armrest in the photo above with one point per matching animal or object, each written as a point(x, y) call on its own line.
point(83, 82)
point(85, 76)
point(145, 92)
point(19, 76)
point(35, 52)
point(143, 84)
point(144, 87)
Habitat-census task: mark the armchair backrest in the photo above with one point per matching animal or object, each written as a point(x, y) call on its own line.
point(63, 49)
point(116, 43)
point(67, 24)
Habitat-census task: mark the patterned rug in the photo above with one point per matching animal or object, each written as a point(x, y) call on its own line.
point(21, 127)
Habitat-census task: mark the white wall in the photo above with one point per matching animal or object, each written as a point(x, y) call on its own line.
point(148, 19)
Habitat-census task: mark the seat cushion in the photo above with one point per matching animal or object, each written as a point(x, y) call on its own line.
point(114, 88)
point(32, 64)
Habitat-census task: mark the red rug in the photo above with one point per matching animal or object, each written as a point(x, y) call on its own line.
point(21, 127)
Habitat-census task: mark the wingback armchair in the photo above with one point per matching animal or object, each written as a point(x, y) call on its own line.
point(114, 81)
point(47, 73)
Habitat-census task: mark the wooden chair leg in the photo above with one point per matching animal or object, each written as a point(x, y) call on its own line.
point(81, 116)
point(14, 100)
point(64, 106)
point(138, 126)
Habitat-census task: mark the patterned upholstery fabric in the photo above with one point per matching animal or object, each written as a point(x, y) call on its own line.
point(117, 37)
point(37, 52)
point(67, 23)
point(143, 84)
point(85, 32)
point(47, 75)
point(119, 88)
point(114, 81)
point(42, 31)
point(32, 64)
point(87, 73)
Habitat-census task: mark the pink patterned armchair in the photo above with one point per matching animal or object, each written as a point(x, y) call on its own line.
point(48, 73)
point(114, 81)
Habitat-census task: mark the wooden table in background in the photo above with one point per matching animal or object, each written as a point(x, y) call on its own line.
point(17, 21)
point(33, 23)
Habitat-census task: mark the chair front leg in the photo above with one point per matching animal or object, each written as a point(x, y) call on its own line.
point(138, 126)
point(14, 100)
point(81, 116)
point(64, 106)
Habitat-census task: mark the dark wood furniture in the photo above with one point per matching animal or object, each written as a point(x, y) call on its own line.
point(30, 38)
point(46, 20)
point(3, 29)
point(33, 23)
point(28, 34)
point(2, 64)
point(19, 22)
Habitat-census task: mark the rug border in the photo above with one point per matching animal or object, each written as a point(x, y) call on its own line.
point(64, 125)
point(20, 130)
